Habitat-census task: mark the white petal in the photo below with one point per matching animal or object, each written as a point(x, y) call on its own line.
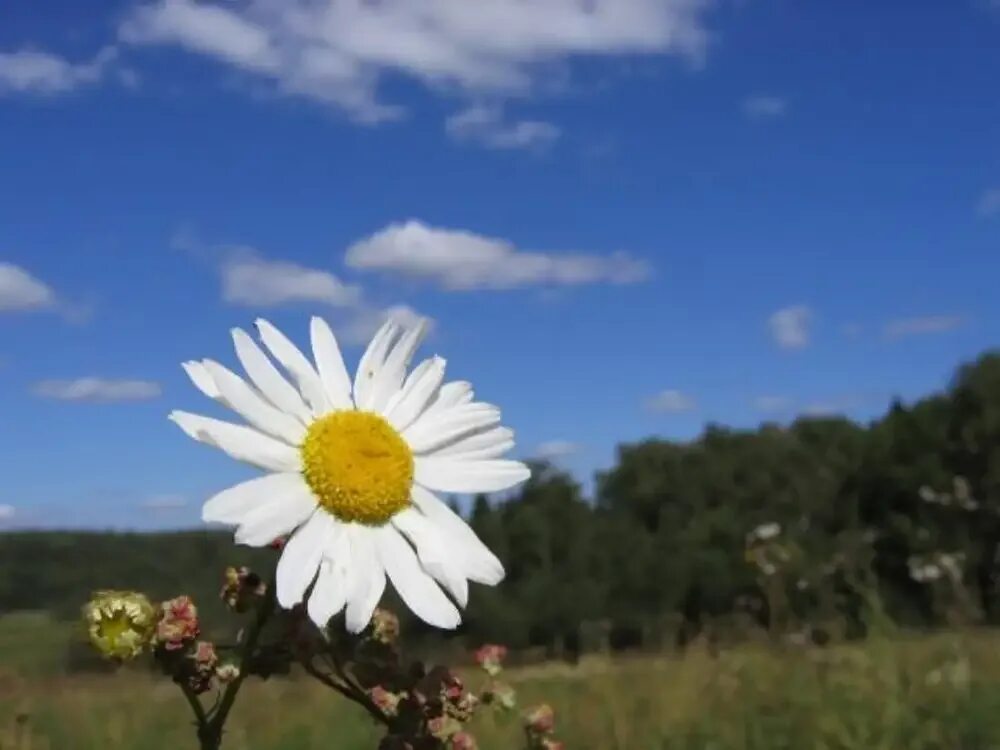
point(491, 443)
point(233, 504)
point(300, 558)
point(417, 393)
point(481, 565)
point(434, 552)
point(296, 365)
point(264, 524)
point(268, 380)
point(371, 363)
point(366, 579)
point(328, 595)
point(389, 378)
point(451, 474)
point(240, 442)
point(330, 364)
point(451, 394)
point(415, 587)
point(448, 425)
point(203, 381)
point(252, 407)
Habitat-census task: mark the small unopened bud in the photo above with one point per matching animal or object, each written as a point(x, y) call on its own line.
point(204, 655)
point(463, 741)
point(178, 623)
point(226, 673)
point(385, 626)
point(120, 623)
point(500, 694)
point(540, 720)
point(443, 727)
point(547, 743)
point(490, 657)
point(242, 588)
point(388, 703)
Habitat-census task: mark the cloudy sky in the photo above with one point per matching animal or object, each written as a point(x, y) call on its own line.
point(625, 217)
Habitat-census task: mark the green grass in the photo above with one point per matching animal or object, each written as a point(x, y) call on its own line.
point(939, 692)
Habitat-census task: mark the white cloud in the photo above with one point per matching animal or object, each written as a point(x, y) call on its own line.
point(989, 202)
point(97, 390)
point(763, 107)
point(772, 404)
point(670, 401)
point(790, 326)
point(338, 51)
point(7, 512)
point(555, 449)
point(460, 260)
point(19, 290)
point(486, 125)
point(33, 72)
point(365, 321)
point(903, 327)
point(253, 281)
point(161, 503)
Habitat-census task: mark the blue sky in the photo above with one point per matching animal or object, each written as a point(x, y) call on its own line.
point(625, 217)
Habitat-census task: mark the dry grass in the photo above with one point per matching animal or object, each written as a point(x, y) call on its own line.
point(923, 693)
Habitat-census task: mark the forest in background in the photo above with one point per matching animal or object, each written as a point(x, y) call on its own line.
point(793, 529)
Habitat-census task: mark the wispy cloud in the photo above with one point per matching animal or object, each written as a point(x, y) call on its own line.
point(339, 52)
point(772, 404)
point(552, 450)
point(164, 503)
point(670, 401)
point(456, 259)
point(20, 291)
point(487, 126)
point(363, 323)
point(254, 281)
point(94, 389)
point(29, 71)
point(7, 512)
point(921, 326)
point(790, 326)
point(762, 107)
point(988, 205)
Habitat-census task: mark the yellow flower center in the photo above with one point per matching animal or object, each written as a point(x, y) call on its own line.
point(358, 466)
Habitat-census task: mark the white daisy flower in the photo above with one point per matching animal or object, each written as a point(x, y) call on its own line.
point(353, 471)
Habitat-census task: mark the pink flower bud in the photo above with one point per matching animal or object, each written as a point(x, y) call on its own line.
point(178, 623)
point(490, 657)
point(540, 720)
point(463, 741)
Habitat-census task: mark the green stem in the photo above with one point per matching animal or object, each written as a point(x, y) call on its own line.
point(210, 731)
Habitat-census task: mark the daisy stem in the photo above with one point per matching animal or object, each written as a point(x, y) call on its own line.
point(210, 728)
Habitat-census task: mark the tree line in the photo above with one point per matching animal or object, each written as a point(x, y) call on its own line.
point(780, 528)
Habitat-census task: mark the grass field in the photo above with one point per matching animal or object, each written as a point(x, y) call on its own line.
point(939, 692)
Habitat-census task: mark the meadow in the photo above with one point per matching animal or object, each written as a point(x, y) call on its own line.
point(936, 691)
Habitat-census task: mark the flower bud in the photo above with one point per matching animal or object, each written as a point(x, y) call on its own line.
point(540, 720)
point(500, 694)
point(178, 623)
point(388, 703)
point(385, 627)
point(226, 673)
point(490, 657)
point(463, 741)
point(443, 727)
point(120, 623)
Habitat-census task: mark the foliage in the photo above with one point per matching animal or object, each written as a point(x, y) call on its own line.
point(660, 553)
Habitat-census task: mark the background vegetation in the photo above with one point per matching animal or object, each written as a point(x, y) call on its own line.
point(752, 639)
